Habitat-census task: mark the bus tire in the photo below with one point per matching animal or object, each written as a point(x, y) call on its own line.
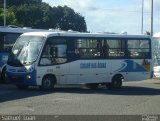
point(92, 86)
point(3, 75)
point(48, 83)
point(116, 82)
point(21, 86)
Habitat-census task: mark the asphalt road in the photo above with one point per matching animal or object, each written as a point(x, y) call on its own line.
point(135, 98)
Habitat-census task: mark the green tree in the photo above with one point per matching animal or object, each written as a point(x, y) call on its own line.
point(22, 2)
point(71, 20)
point(10, 18)
point(37, 14)
point(29, 15)
point(49, 17)
point(1, 4)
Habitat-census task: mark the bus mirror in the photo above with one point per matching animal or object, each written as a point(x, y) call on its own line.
point(54, 51)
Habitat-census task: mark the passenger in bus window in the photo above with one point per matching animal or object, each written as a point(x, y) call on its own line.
point(105, 49)
point(128, 53)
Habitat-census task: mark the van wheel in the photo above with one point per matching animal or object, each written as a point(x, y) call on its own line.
point(20, 86)
point(48, 83)
point(116, 82)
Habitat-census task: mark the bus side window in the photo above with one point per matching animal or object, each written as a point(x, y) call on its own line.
point(105, 49)
point(60, 53)
point(46, 57)
point(54, 51)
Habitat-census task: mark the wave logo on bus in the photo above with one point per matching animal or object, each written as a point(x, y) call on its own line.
point(131, 66)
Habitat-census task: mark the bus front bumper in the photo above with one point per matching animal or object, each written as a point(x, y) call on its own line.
point(21, 78)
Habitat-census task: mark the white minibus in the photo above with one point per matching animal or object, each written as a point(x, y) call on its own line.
point(46, 59)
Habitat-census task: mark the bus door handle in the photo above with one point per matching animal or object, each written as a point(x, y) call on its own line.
point(57, 66)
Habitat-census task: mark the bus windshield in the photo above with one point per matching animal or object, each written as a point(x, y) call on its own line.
point(26, 50)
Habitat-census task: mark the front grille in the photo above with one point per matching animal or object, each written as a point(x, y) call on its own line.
point(16, 79)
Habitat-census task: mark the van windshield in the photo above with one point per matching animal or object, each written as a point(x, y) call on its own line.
point(26, 50)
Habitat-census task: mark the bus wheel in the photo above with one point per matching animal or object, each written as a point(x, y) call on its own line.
point(116, 82)
point(3, 75)
point(48, 83)
point(92, 86)
point(20, 86)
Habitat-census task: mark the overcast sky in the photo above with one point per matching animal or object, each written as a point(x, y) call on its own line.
point(114, 15)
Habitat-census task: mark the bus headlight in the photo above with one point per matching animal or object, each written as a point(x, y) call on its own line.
point(28, 77)
point(29, 68)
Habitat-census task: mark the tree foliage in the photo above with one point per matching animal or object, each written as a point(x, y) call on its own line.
point(22, 2)
point(70, 20)
point(37, 14)
point(11, 18)
point(29, 15)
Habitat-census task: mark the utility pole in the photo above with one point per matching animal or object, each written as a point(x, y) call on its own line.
point(4, 12)
point(142, 16)
point(151, 17)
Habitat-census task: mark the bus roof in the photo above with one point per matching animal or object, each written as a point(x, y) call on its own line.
point(79, 34)
point(8, 29)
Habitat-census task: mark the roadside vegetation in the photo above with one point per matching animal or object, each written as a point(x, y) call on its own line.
point(40, 15)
